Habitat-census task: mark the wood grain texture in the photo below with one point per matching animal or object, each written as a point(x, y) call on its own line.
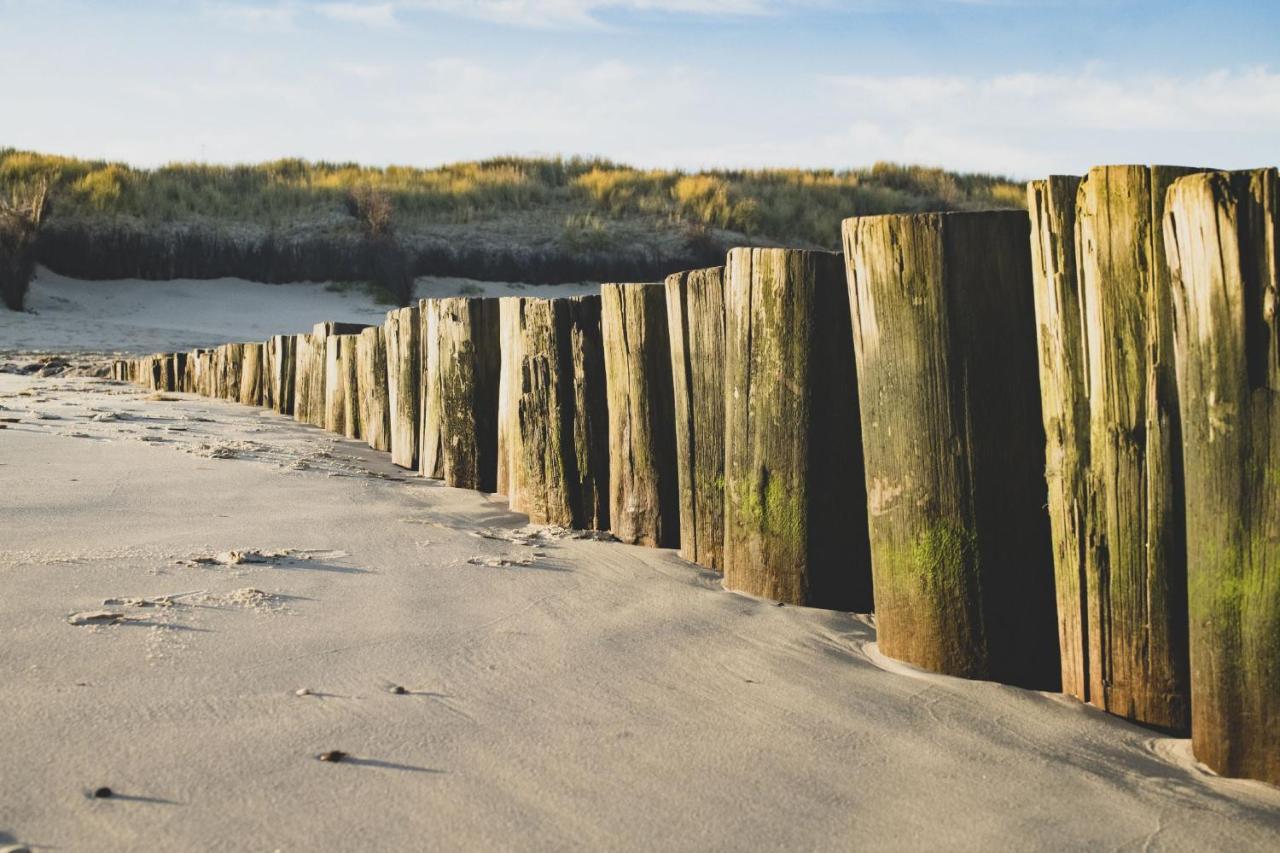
point(696, 323)
point(403, 380)
point(1135, 555)
point(511, 345)
point(1222, 233)
point(348, 365)
point(795, 508)
point(251, 367)
point(280, 377)
point(557, 414)
point(1065, 412)
point(944, 330)
point(232, 363)
point(468, 356)
point(430, 426)
point(644, 492)
point(371, 368)
point(308, 407)
point(335, 384)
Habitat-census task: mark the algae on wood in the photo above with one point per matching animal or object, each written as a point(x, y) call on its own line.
point(403, 380)
point(467, 351)
point(695, 317)
point(644, 493)
point(1222, 238)
point(371, 366)
point(944, 331)
point(1135, 547)
point(795, 505)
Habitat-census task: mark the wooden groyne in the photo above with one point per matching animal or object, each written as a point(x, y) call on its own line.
point(1047, 443)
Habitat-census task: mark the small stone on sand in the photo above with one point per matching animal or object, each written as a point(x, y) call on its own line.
point(302, 691)
point(103, 793)
point(398, 690)
point(334, 755)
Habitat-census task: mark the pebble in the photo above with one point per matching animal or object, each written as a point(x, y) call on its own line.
point(302, 691)
point(103, 793)
point(15, 848)
point(334, 755)
point(398, 690)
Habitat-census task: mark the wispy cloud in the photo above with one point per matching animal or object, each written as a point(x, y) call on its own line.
point(567, 14)
point(252, 17)
point(366, 14)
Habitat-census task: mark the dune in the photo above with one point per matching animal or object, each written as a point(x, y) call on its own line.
point(276, 594)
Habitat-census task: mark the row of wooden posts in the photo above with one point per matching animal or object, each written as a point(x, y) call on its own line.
point(833, 430)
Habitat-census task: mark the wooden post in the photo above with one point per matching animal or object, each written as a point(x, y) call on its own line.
point(1222, 236)
point(511, 338)
point(232, 369)
point(308, 407)
point(403, 379)
point(349, 366)
point(281, 374)
point(1135, 569)
point(695, 316)
point(557, 416)
point(644, 492)
point(795, 510)
point(944, 332)
point(467, 357)
point(430, 450)
point(335, 383)
point(251, 374)
point(371, 367)
point(1065, 413)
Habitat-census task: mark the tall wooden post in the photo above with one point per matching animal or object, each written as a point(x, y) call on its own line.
point(557, 415)
point(281, 375)
point(403, 380)
point(511, 344)
point(251, 374)
point(232, 368)
point(795, 511)
point(644, 493)
point(695, 316)
point(467, 351)
point(1065, 414)
point(430, 449)
point(1222, 236)
point(371, 359)
point(308, 407)
point(339, 350)
point(944, 331)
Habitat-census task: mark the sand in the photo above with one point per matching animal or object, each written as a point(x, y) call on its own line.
point(558, 692)
point(72, 315)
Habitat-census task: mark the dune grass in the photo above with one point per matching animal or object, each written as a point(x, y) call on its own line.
point(580, 194)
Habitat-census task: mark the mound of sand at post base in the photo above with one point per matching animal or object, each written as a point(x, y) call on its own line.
point(137, 316)
point(559, 693)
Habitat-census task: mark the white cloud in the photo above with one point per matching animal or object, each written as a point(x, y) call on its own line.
point(272, 17)
point(560, 14)
point(366, 14)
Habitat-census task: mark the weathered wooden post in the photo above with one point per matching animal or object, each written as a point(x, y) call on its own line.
point(511, 340)
point(403, 378)
point(335, 383)
point(556, 432)
point(308, 406)
point(795, 510)
point(1111, 419)
point(430, 451)
point(1222, 236)
point(695, 317)
point(371, 367)
point(232, 369)
point(466, 355)
point(1065, 413)
point(281, 374)
point(348, 364)
point(644, 492)
point(250, 392)
point(944, 331)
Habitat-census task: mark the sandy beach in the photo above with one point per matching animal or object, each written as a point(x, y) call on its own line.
point(274, 593)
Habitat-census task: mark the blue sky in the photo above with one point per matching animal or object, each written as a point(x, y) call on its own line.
point(1021, 87)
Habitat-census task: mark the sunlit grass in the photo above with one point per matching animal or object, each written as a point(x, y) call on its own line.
point(781, 204)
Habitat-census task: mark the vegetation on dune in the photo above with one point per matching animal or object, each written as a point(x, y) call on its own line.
point(21, 214)
point(582, 195)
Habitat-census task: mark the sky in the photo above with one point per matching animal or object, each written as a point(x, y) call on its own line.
point(1022, 88)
